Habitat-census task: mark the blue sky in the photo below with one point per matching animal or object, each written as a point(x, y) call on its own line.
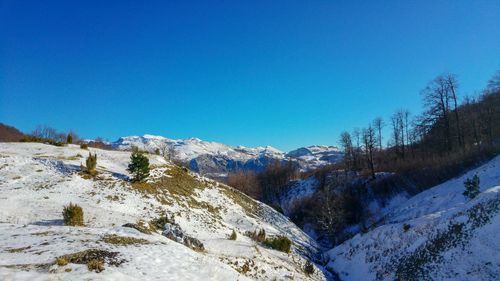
point(280, 73)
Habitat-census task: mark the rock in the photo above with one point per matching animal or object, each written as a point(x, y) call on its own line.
point(137, 227)
point(174, 232)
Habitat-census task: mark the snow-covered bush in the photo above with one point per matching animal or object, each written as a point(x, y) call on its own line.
point(73, 215)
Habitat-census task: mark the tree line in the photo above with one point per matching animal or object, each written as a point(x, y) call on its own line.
point(446, 127)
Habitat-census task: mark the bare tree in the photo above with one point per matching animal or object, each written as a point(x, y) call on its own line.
point(452, 84)
point(346, 144)
point(167, 151)
point(436, 100)
point(378, 125)
point(369, 141)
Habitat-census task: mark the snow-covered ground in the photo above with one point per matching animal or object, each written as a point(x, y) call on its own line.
point(37, 180)
point(438, 234)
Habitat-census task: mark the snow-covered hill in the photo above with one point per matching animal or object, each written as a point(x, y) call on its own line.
point(37, 180)
point(216, 159)
point(436, 235)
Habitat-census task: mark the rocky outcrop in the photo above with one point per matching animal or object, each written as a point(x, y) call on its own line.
point(174, 232)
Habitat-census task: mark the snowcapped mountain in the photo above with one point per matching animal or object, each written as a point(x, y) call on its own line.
point(217, 159)
point(438, 234)
point(37, 180)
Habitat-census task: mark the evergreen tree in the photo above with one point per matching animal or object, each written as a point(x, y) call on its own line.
point(471, 187)
point(69, 138)
point(139, 166)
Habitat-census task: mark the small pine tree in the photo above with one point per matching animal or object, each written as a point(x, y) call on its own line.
point(471, 187)
point(69, 138)
point(233, 235)
point(139, 166)
point(91, 164)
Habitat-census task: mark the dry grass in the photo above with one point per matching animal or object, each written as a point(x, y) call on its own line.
point(123, 240)
point(18, 250)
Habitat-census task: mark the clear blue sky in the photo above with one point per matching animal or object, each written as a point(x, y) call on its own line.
point(280, 73)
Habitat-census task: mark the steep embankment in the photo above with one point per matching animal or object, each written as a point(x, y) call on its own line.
point(37, 180)
point(438, 234)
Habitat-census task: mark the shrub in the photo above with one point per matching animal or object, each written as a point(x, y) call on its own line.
point(280, 243)
point(406, 227)
point(69, 138)
point(61, 261)
point(73, 215)
point(84, 146)
point(233, 235)
point(96, 265)
point(139, 166)
point(471, 187)
point(157, 151)
point(309, 268)
point(90, 164)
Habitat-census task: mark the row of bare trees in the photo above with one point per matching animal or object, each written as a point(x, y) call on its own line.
point(267, 185)
point(447, 126)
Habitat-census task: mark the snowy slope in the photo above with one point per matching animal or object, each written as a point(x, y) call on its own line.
point(216, 159)
point(449, 237)
point(37, 180)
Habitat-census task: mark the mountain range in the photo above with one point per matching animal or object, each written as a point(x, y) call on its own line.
point(216, 160)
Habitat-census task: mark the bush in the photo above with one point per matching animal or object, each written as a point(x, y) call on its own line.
point(280, 243)
point(73, 215)
point(233, 235)
point(96, 265)
point(61, 261)
point(406, 227)
point(309, 268)
point(471, 187)
point(139, 166)
point(84, 146)
point(91, 164)
point(69, 138)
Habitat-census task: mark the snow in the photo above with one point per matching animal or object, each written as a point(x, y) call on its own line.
point(470, 253)
point(37, 180)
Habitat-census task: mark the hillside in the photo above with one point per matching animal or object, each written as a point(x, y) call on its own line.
point(9, 133)
point(216, 159)
point(37, 180)
point(438, 234)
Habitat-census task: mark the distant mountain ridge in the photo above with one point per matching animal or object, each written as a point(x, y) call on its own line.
point(217, 159)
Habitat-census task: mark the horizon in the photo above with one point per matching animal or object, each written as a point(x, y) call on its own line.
point(281, 74)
